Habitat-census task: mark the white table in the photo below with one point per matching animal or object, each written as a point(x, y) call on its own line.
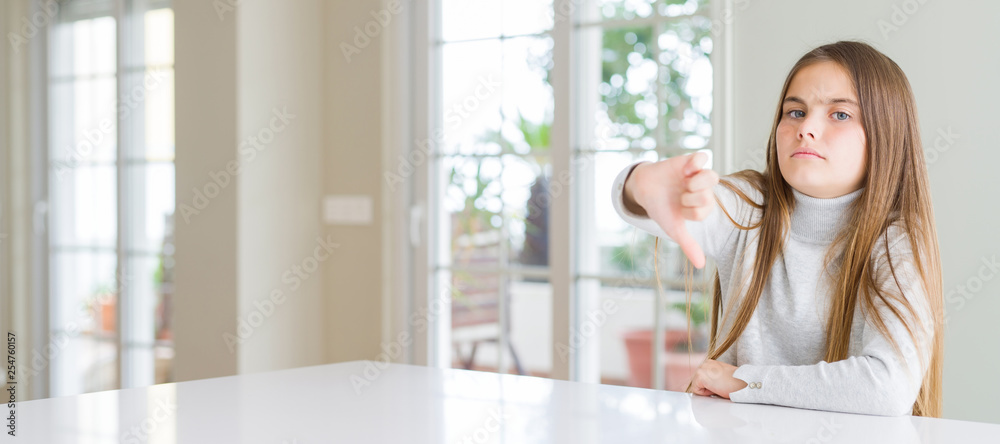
point(411, 404)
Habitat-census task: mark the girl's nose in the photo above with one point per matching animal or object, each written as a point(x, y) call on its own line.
point(809, 129)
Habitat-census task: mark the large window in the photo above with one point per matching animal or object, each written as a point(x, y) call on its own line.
point(111, 194)
point(639, 86)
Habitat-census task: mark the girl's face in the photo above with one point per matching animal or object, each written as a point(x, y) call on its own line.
point(821, 144)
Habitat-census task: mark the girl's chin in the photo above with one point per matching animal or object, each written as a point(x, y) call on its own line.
point(808, 187)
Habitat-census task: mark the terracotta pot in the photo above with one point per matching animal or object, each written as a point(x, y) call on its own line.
point(108, 315)
point(677, 372)
point(680, 368)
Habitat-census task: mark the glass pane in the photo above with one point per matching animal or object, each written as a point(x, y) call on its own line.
point(472, 205)
point(616, 330)
point(528, 102)
point(65, 150)
point(595, 10)
point(146, 110)
point(498, 198)
point(472, 91)
point(83, 122)
point(84, 207)
point(676, 8)
point(526, 16)
point(620, 104)
point(93, 47)
point(159, 125)
point(470, 19)
point(61, 39)
point(651, 86)
point(84, 289)
point(483, 19)
point(146, 276)
point(103, 49)
point(530, 335)
point(151, 203)
point(475, 311)
point(94, 116)
point(527, 195)
point(159, 42)
point(620, 9)
point(686, 77)
point(476, 323)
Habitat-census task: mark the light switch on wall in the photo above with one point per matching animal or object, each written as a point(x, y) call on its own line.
point(347, 210)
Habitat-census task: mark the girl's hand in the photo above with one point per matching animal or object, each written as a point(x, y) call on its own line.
point(715, 378)
point(671, 191)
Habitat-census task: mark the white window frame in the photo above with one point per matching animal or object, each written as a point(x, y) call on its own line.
point(409, 59)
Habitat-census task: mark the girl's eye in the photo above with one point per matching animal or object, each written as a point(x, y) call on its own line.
point(840, 115)
point(797, 114)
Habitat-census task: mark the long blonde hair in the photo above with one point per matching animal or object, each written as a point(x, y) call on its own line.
point(896, 191)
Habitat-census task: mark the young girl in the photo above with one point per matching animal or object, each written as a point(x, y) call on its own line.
point(828, 290)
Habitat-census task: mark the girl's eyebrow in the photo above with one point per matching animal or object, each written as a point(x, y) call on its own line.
point(828, 101)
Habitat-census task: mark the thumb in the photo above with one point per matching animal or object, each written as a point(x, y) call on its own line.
point(694, 164)
point(688, 245)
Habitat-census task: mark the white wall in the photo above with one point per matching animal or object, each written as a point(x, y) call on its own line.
point(280, 69)
point(353, 165)
point(206, 244)
point(948, 51)
point(15, 275)
point(237, 71)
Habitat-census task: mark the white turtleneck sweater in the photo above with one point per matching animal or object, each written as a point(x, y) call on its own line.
point(780, 353)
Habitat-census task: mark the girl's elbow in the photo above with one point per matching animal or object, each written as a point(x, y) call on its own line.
point(897, 407)
point(894, 400)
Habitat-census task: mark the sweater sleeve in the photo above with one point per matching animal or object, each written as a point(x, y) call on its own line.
point(713, 233)
point(878, 380)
